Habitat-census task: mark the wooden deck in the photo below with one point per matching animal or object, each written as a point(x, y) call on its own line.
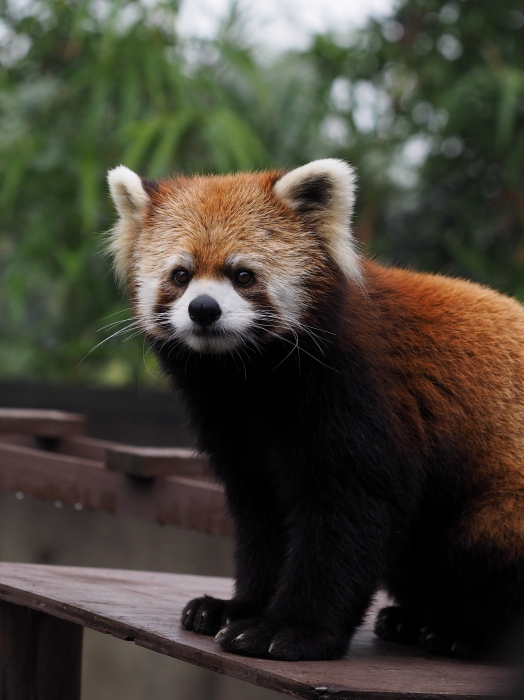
point(145, 608)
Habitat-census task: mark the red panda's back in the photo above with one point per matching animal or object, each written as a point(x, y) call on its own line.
point(451, 356)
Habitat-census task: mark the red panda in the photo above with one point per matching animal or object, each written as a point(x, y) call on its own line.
point(367, 423)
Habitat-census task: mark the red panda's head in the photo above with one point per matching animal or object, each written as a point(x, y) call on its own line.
point(219, 261)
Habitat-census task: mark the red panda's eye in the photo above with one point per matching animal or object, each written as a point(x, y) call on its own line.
point(244, 278)
point(180, 276)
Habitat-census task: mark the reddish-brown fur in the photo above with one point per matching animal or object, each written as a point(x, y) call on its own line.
point(438, 334)
point(214, 217)
point(385, 420)
point(429, 333)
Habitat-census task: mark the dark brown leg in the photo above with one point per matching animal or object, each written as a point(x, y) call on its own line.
point(40, 655)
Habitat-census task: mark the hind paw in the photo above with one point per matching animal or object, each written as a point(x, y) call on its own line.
point(397, 624)
point(439, 641)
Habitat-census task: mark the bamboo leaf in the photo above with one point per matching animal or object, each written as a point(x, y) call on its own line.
point(174, 129)
point(510, 101)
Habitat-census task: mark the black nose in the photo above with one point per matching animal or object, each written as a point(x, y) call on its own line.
point(204, 310)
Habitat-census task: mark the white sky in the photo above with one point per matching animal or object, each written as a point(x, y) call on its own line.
point(280, 23)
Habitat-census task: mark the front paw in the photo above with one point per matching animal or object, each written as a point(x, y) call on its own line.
point(206, 615)
point(266, 639)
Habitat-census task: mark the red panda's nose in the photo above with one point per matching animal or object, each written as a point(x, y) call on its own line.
point(204, 310)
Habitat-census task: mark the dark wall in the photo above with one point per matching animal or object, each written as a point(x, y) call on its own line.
point(125, 415)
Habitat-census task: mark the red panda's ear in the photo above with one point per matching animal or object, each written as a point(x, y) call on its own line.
point(323, 193)
point(131, 196)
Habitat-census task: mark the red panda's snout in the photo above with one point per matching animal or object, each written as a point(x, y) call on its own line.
point(210, 316)
point(204, 310)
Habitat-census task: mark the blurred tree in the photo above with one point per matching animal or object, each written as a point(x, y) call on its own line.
point(429, 104)
point(85, 85)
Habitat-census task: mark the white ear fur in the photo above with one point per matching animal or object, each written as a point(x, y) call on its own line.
point(326, 188)
point(130, 199)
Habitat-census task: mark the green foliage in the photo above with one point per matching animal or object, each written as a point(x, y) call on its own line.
point(88, 91)
point(445, 87)
point(429, 104)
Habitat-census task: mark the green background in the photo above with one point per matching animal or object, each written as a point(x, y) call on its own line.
point(428, 104)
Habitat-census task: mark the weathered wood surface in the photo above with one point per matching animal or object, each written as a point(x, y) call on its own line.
point(40, 655)
point(41, 422)
point(66, 429)
point(145, 608)
point(116, 456)
point(173, 485)
point(193, 502)
point(155, 461)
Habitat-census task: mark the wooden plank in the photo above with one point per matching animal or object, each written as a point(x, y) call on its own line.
point(128, 459)
point(84, 447)
point(40, 422)
point(175, 500)
point(71, 445)
point(156, 461)
point(40, 655)
point(145, 607)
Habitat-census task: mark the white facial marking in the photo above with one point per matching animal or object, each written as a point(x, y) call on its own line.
point(237, 315)
point(249, 262)
point(285, 291)
point(287, 296)
point(147, 296)
point(180, 260)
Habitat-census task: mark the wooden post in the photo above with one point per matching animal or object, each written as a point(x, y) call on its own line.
point(40, 655)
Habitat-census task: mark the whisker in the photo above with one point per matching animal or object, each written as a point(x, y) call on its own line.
point(144, 362)
point(295, 345)
point(114, 323)
point(120, 331)
point(322, 330)
point(121, 311)
point(133, 335)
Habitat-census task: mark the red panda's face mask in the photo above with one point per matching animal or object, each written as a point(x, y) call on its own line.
point(223, 262)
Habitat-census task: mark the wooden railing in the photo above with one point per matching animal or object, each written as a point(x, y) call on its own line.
point(46, 454)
